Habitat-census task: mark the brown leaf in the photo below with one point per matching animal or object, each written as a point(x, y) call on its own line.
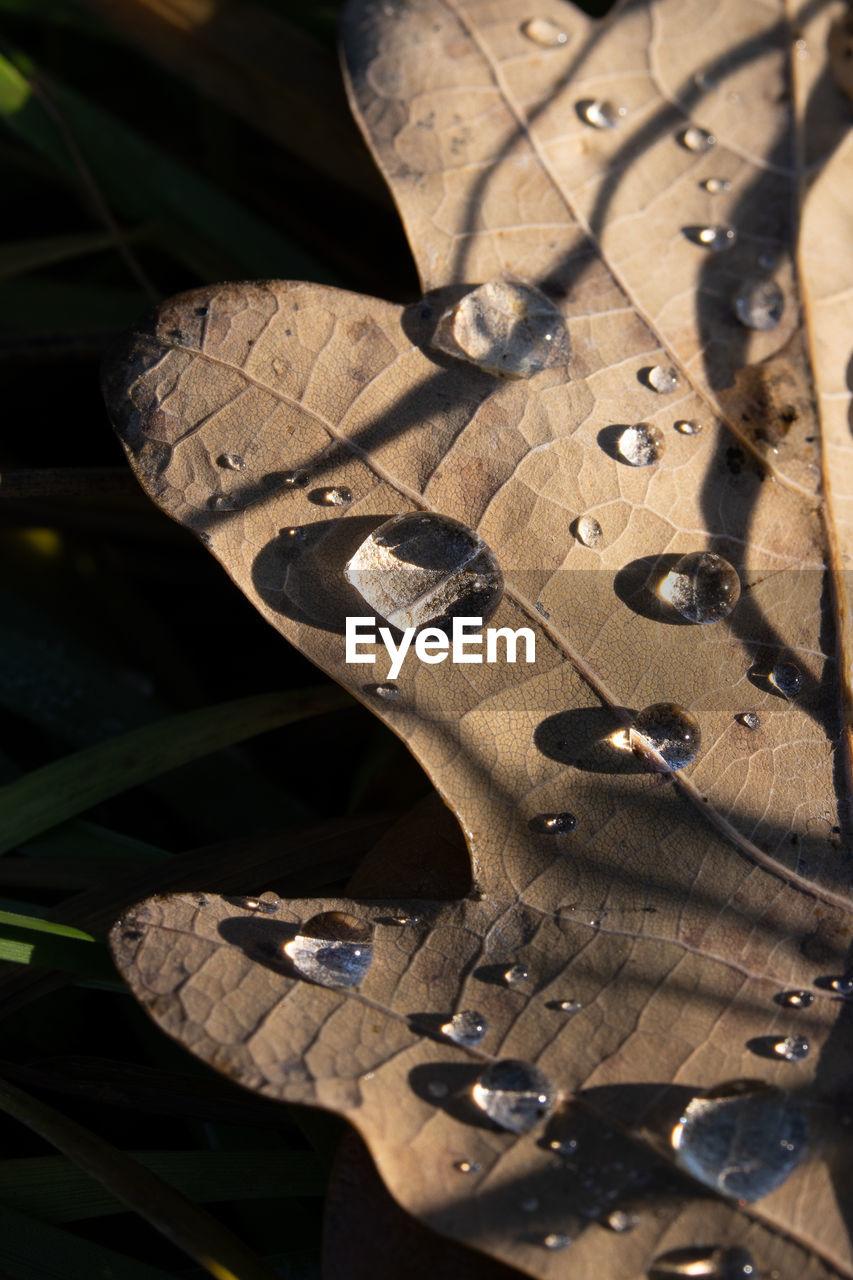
point(684, 905)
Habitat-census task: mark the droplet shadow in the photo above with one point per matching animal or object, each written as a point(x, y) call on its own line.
point(262, 941)
point(635, 584)
point(430, 1079)
point(588, 739)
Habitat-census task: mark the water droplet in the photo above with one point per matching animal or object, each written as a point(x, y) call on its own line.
point(640, 445)
point(515, 974)
point(545, 32)
point(735, 1264)
point(716, 186)
point(570, 1006)
point(702, 1261)
point(418, 568)
point(267, 903)
point(467, 1166)
point(333, 949)
point(687, 427)
point(558, 824)
point(231, 461)
point(716, 238)
point(663, 379)
point(749, 719)
point(295, 479)
point(467, 1027)
point(514, 1094)
point(588, 531)
point(338, 496)
point(599, 113)
point(221, 502)
point(743, 1140)
point(506, 328)
point(556, 1240)
point(787, 679)
point(792, 1048)
point(387, 690)
point(697, 140)
point(703, 587)
point(620, 1220)
point(759, 303)
point(842, 986)
point(437, 1089)
point(564, 1147)
point(795, 999)
point(664, 734)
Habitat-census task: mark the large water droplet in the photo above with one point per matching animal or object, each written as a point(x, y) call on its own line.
point(231, 461)
point(663, 379)
point(514, 1094)
point(703, 587)
point(795, 999)
point(588, 531)
point(558, 824)
point(742, 1141)
point(759, 303)
point(556, 1240)
point(338, 496)
point(697, 140)
point(333, 949)
point(715, 186)
point(664, 734)
point(599, 113)
point(418, 568)
point(792, 1048)
point(716, 238)
point(515, 974)
point(749, 719)
point(506, 328)
point(786, 678)
point(711, 1263)
point(640, 445)
point(467, 1027)
point(545, 32)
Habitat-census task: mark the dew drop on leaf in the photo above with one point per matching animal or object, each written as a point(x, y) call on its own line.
point(786, 678)
point(267, 903)
point(759, 303)
point(663, 379)
point(418, 568)
point(842, 985)
point(688, 428)
point(703, 587)
point(640, 445)
point(696, 140)
point(792, 1048)
point(588, 531)
point(702, 1261)
point(665, 735)
point(467, 1027)
point(749, 719)
point(715, 186)
point(620, 1220)
point(221, 502)
point(515, 974)
point(506, 328)
point(387, 690)
point(333, 949)
point(545, 32)
point(514, 1094)
point(337, 496)
point(599, 113)
point(556, 1240)
point(716, 238)
point(743, 1140)
point(570, 1006)
point(564, 1147)
point(231, 461)
point(557, 824)
point(295, 479)
point(795, 999)
point(467, 1166)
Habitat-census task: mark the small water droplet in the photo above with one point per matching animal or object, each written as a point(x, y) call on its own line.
point(418, 568)
point(842, 985)
point(703, 587)
point(267, 903)
point(514, 1094)
point(564, 1147)
point(467, 1166)
point(333, 949)
point(221, 502)
point(749, 719)
point(696, 140)
point(231, 461)
point(545, 32)
point(437, 1089)
point(588, 531)
point(295, 479)
point(664, 734)
point(704, 1261)
point(716, 238)
point(620, 1220)
point(570, 1006)
point(530, 1205)
point(715, 186)
point(795, 999)
point(743, 1140)
point(387, 690)
point(688, 428)
point(558, 824)
point(337, 496)
point(599, 113)
point(506, 328)
point(662, 378)
point(786, 678)
point(736, 1264)
point(792, 1048)
point(556, 1240)
point(759, 303)
point(467, 1027)
point(515, 974)
point(640, 445)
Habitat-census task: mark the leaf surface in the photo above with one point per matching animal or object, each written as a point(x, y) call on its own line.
point(683, 906)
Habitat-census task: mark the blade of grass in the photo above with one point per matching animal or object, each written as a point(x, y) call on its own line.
point(61, 790)
point(38, 925)
point(33, 1250)
point(187, 1226)
point(57, 1191)
point(88, 840)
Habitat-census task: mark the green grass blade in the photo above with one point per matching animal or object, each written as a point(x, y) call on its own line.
point(187, 1226)
point(37, 925)
point(80, 839)
point(70, 786)
point(33, 1250)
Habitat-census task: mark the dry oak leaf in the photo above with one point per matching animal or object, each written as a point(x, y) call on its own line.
point(682, 907)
